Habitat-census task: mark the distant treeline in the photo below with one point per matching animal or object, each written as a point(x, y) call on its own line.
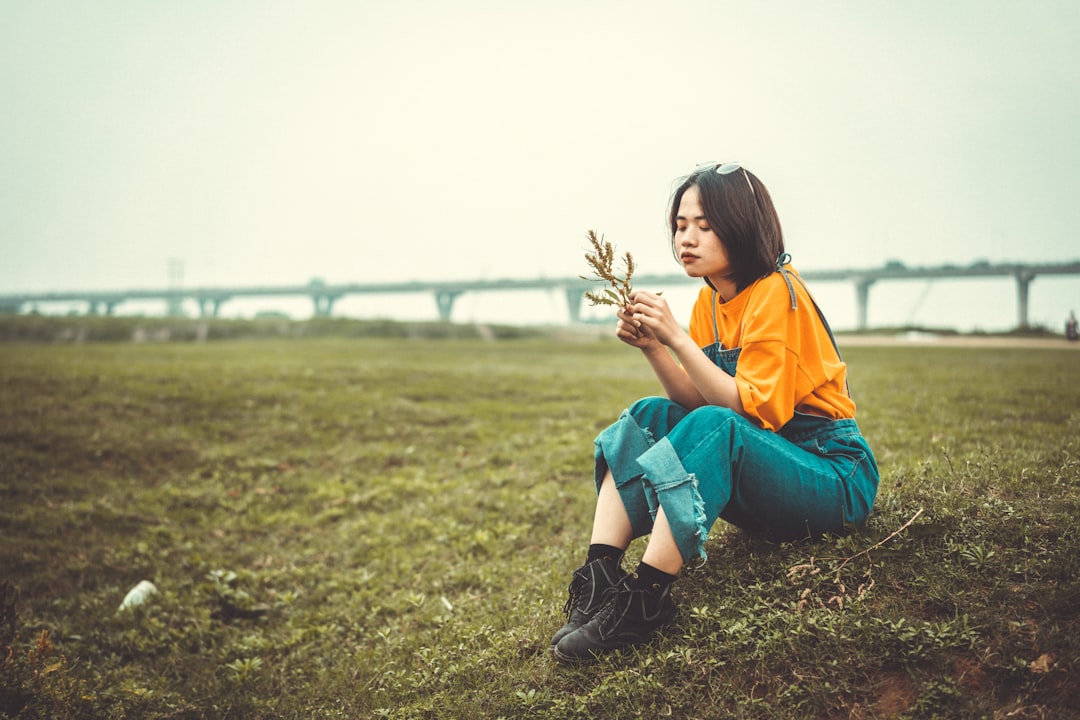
point(89, 328)
point(74, 329)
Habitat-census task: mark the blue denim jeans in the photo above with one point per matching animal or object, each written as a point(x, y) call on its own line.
point(816, 475)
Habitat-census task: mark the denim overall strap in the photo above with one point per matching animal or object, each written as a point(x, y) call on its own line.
point(781, 261)
point(727, 359)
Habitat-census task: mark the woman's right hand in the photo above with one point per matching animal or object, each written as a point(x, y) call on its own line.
point(632, 333)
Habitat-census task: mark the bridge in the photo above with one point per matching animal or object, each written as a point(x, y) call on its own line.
point(323, 295)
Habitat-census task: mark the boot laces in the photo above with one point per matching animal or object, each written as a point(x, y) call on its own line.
point(613, 610)
point(577, 584)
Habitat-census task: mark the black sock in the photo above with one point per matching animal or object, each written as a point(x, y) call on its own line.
point(600, 551)
point(646, 577)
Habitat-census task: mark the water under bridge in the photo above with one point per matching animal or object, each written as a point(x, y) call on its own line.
point(324, 295)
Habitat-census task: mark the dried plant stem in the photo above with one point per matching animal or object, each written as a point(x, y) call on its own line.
point(602, 261)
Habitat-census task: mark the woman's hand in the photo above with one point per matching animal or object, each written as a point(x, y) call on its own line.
point(647, 323)
point(631, 333)
point(651, 317)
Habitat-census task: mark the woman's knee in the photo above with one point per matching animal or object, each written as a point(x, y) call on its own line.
point(657, 414)
point(651, 407)
point(706, 421)
point(714, 413)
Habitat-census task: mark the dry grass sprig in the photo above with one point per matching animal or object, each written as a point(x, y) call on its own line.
point(602, 262)
point(841, 593)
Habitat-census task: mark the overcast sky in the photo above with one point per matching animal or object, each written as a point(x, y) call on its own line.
point(274, 142)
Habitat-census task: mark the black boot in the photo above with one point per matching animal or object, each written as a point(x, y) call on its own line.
point(587, 590)
point(627, 617)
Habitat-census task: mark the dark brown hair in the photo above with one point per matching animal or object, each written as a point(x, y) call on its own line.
point(743, 218)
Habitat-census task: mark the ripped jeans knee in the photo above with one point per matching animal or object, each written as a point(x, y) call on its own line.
point(649, 474)
point(671, 486)
point(619, 447)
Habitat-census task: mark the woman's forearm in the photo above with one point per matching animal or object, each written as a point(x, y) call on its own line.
point(709, 382)
point(676, 383)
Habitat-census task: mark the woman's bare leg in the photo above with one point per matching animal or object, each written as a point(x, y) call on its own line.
point(662, 552)
point(611, 524)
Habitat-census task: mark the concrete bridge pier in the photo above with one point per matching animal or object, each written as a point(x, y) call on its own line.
point(102, 307)
point(862, 301)
point(324, 304)
point(210, 307)
point(1023, 287)
point(444, 299)
point(574, 296)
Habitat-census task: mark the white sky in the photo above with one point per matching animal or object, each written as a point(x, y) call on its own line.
point(273, 142)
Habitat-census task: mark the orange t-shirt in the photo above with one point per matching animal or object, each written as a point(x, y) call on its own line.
point(787, 361)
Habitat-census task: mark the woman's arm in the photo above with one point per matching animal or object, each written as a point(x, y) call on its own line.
point(676, 383)
point(649, 325)
point(713, 385)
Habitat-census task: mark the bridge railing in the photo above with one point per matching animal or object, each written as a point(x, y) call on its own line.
point(323, 295)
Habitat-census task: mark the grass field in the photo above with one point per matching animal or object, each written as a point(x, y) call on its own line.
point(365, 528)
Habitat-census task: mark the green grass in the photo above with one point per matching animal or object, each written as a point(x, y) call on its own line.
point(385, 528)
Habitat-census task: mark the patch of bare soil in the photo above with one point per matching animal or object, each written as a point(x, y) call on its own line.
point(895, 694)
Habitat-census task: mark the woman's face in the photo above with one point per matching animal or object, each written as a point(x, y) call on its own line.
point(700, 250)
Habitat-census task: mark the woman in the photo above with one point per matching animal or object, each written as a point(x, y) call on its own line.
point(757, 427)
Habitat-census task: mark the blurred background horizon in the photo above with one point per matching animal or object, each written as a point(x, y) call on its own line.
point(975, 304)
point(275, 142)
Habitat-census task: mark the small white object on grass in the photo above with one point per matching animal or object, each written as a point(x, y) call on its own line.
point(138, 595)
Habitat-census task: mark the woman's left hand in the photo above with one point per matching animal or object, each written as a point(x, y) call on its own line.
point(651, 312)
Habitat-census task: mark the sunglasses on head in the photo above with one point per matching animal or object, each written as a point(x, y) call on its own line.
point(727, 169)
